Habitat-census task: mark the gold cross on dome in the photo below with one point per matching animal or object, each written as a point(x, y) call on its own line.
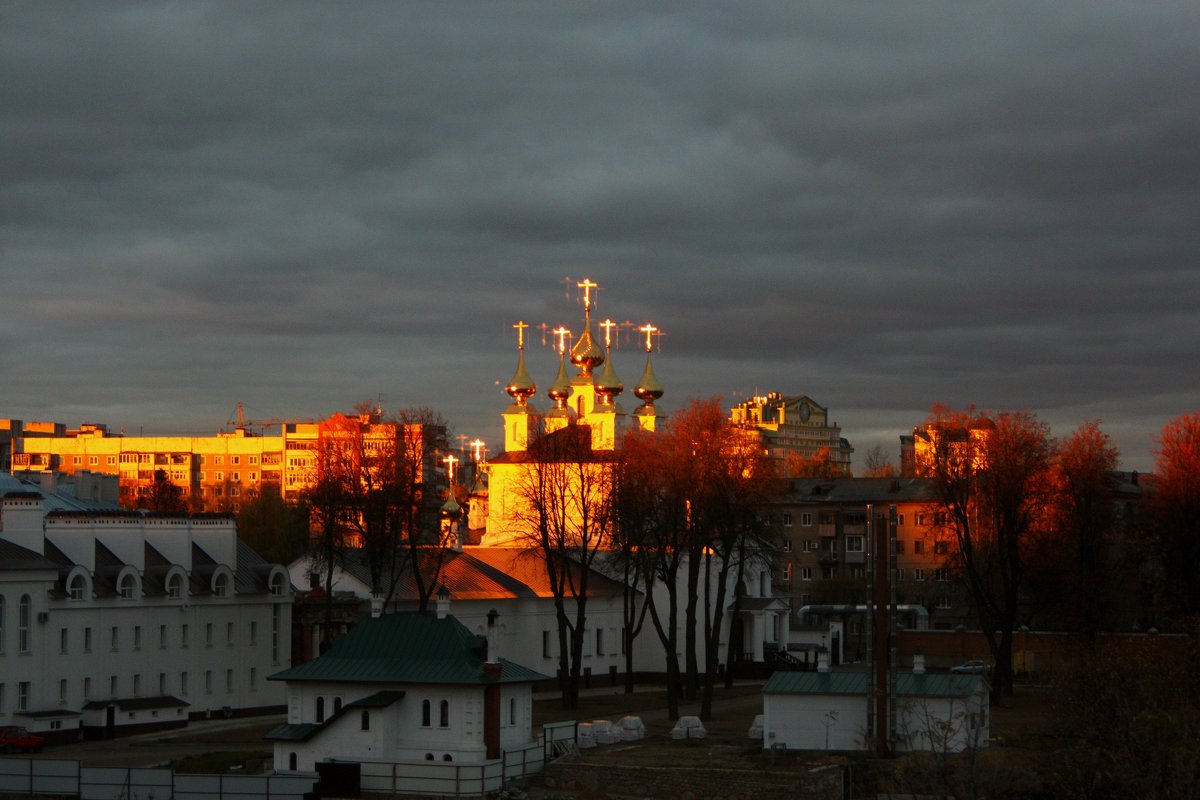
point(521, 326)
point(587, 285)
point(562, 334)
point(477, 445)
point(649, 330)
point(450, 462)
point(608, 325)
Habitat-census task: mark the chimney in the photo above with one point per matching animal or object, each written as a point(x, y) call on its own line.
point(823, 660)
point(443, 602)
point(918, 663)
point(376, 605)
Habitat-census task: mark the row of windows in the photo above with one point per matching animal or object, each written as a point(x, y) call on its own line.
point(806, 519)
point(64, 637)
point(601, 641)
point(136, 686)
point(855, 544)
point(941, 574)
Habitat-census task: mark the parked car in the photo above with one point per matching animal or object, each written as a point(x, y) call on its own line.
point(14, 738)
point(975, 667)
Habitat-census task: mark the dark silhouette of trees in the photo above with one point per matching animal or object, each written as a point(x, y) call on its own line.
point(276, 529)
point(877, 464)
point(1174, 506)
point(162, 495)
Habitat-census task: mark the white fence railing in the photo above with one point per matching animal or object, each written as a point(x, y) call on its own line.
point(35, 776)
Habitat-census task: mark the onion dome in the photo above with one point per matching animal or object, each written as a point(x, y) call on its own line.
point(521, 387)
point(586, 354)
point(608, 385)
point(561, 390)
point(648, 389)
point(451, 509)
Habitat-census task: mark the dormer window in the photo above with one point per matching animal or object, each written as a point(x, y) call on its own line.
point(175, 587)
point(221, 586)
point(78, 588)
point(127, 587)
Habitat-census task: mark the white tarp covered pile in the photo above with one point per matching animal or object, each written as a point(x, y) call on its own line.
point(689, 728)
point(630, 729)
point(603, 732)
point(583, 736)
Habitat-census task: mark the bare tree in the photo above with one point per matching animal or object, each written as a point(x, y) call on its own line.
point(877, 464)
point(565, 490)
point(990, 471)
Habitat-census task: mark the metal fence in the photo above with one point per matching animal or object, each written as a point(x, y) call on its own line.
point(49, 777)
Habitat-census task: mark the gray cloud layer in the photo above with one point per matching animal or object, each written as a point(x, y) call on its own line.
point(880, 205)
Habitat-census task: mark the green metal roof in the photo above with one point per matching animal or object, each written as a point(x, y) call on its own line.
point(407, 648)
point(927, 685)
point(292, 733)
point(378, 700)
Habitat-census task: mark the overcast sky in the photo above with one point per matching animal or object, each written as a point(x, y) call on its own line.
point(879, 205)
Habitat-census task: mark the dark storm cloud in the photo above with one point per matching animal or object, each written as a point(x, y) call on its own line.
point(881, 205)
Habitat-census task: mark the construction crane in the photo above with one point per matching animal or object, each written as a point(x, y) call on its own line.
point(243, 424)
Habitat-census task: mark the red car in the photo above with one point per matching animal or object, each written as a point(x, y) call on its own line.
point(14, 738)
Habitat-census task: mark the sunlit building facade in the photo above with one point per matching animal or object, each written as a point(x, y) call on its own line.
point(794, 426)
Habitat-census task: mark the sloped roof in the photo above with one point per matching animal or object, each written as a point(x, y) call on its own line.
point(292, 733)
point(139, 703)
point(15, 557)
point(860, 490)
point(930, 684)
point(408, 648)
point(528, 568)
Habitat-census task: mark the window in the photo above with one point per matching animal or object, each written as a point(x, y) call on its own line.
point(787, 545)
point(208, 634)
point(114, 638)
point(253, 632)
point(942, 574)
point(918, 547)
point(941, 548)
point(23, 696)
point(229, 634)
point(826, 573)
point(444, 714)
point(365, 720)
point(810, 545)
point(787, 519)
point(111, 460)
point(253, 679)
point(219, 476)
point(806, 519)
point(221, 585)
point(253, 459)
point(218, 460)
point(545, 644)
point(943, 601)
point(137, 637)
point(920, 519)
point(599, 641)
point(175, 586)
point(787, 572)
point(2, 615)
point(900, 573)
point(87, 640)
point(112, 685)
point(162, 637)
point(76, 460)
point(854, 544)
point(77, 588)
point(806, 573)
point(183, 635)
point(228, 681)
point(426, 713)
point(62, 691)
point(127, 587)
point(918, 574)
point(208, 683)
point(277, 585)
point(64, 636)
point(899, 519)
point(275, 612)
point(183, 683)
point(857, 573)
point(24, 618)
point(512, 711)
point(137, 685)
point(899, 547)
point(87, 688)
point(320, 709)
point(235, 460)
point(162, 683)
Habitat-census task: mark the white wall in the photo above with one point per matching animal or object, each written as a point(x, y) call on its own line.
point(815, 722)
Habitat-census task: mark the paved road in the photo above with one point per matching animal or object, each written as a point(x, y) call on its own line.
point(161, 747)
